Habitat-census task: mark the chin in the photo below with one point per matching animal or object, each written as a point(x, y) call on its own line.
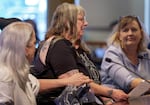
point(132, 45)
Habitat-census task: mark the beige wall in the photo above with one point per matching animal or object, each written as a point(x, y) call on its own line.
point(100, 13)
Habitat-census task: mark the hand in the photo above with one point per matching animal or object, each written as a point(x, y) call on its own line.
point(121, 103)
point(107, 101)
point(78, 79)
point(119, 95)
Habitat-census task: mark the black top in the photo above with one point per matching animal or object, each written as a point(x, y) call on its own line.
point(61, 58)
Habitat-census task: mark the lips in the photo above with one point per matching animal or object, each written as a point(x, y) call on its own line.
point(131, 38)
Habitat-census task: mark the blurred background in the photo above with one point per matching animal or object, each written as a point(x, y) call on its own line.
point(100, 14)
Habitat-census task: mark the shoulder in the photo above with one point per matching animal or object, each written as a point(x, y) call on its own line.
point(115, 53)
point(113, 49)
point(148, 51)
point(145, 54)
point(62, 42)
point(61, 45)
point(5, 74)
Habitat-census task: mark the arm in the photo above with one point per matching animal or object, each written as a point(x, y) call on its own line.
point(115, 94)
point(76, 79)
point(135, 82)
point(6, 103)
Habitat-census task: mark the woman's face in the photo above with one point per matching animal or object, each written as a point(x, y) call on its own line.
point(130, 35)
point(81, 24)
point(30, 49)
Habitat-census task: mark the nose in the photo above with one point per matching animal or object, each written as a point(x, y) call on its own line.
point(85, 23)
point(130, 32)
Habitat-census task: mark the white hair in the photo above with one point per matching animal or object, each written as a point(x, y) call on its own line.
point(13, 40)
